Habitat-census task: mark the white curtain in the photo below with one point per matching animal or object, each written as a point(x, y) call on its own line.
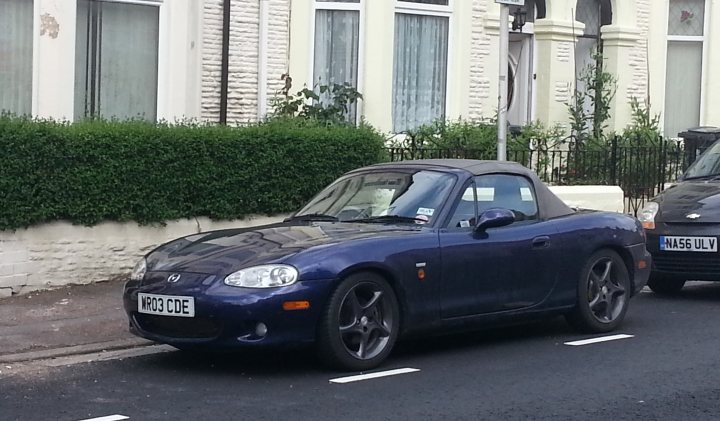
point(16, 42)
point(116, 60)
point(682, 86)
point(420, 70)
point(337, 35)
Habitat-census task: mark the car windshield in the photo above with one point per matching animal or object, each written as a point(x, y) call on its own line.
point(708, 165)
point(382, 197)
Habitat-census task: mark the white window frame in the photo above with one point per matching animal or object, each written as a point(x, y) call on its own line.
point(333, 5)
point(407, 7)
point(702, 39)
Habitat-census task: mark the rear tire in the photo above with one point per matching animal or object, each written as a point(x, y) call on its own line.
point(361, 323)
point(603, 294)
point(662, 285)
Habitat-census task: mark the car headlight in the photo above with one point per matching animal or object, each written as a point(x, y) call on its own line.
point(647, 215)
point(138, 272)
point(265, 276)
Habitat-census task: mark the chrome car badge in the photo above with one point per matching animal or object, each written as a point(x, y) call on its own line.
point(692, 216)
point(173, 278)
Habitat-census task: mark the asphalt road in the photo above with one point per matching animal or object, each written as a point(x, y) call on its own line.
point(669, 369)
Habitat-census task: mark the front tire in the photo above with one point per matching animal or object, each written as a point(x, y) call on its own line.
point(360, 325)
point(665, 286)
point(603, 294)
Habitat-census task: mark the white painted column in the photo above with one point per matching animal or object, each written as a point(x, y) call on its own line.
point(378, 70)
point(301, 43)
point(54, 59)
point(657, 55)
point(555, 55)
point(263, 59)
point(618, 43)
point(492, 56)
point(179, 60)
point(460, 55)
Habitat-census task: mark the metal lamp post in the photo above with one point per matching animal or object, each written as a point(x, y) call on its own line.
point(503, 79)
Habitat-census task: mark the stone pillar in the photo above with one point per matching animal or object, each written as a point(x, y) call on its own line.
point(54, 59)
point(555, 71)
point(491, 70)
point(618, 45)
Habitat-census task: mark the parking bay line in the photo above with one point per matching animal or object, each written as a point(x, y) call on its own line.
point(108, 418)
point(598, 340)
point(360, 377)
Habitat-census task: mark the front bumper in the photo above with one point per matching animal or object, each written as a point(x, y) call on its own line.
point(225, 316)
point(641, 272)
point(684, 264)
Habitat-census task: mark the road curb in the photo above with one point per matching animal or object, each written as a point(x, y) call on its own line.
point(74, 350)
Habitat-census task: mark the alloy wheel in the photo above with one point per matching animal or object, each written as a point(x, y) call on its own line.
point(365, 321)
point(606, 293)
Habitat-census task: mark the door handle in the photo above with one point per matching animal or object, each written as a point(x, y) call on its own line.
point(541, 242)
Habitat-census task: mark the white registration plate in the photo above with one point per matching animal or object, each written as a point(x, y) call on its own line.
point(166, 305)
point(700, 244)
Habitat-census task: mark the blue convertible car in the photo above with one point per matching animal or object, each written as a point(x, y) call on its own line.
point(392, 250)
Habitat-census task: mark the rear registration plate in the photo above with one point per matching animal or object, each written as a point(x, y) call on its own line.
point(166, 305)
point(699, 244)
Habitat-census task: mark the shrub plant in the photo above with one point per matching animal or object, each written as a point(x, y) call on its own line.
point(93, 171)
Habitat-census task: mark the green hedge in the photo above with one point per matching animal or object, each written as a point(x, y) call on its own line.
point(135, 171)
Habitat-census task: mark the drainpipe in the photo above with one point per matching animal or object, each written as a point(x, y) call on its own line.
point(263, 58)
point(225, 65)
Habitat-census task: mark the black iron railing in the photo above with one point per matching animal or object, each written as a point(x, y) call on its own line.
point(641, 171)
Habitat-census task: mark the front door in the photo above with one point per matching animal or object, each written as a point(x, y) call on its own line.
point(520, 79)
point(504, 268)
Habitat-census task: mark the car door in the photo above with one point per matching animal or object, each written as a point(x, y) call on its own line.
point(503, 268)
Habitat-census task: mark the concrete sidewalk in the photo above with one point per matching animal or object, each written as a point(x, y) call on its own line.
point(72, 320)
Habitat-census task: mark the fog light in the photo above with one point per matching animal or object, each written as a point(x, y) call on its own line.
point(261, 329)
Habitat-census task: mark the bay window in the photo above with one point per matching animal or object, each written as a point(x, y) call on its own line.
point(683, 81)
point(116, 60)
point(420, 63)
point(16, 51)
point(337, 44)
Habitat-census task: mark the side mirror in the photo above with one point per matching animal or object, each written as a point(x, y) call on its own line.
point(493, 218)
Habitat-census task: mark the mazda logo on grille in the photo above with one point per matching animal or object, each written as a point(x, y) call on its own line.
point(692, 216)
point(174, 278)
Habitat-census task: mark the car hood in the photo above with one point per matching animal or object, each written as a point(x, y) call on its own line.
point(225, 251)
point(691, 197)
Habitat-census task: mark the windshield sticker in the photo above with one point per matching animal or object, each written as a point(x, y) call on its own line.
point(425, 211)
point(526, 194)
point(464, 224)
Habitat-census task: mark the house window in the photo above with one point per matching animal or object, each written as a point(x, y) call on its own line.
point(16, 49)
point(683, 81)
point(337, 42)
point(420, 63)
point(116, 60)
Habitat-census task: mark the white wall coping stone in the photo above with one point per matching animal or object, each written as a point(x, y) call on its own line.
point(604, 198)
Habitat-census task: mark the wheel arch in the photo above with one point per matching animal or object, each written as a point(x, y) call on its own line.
point(391, 278)
point(625, 256)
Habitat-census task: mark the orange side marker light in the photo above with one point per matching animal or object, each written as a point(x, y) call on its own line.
point(642, 264)
point(296, 305)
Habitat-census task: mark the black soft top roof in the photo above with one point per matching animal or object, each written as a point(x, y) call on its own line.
point(550, 205)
